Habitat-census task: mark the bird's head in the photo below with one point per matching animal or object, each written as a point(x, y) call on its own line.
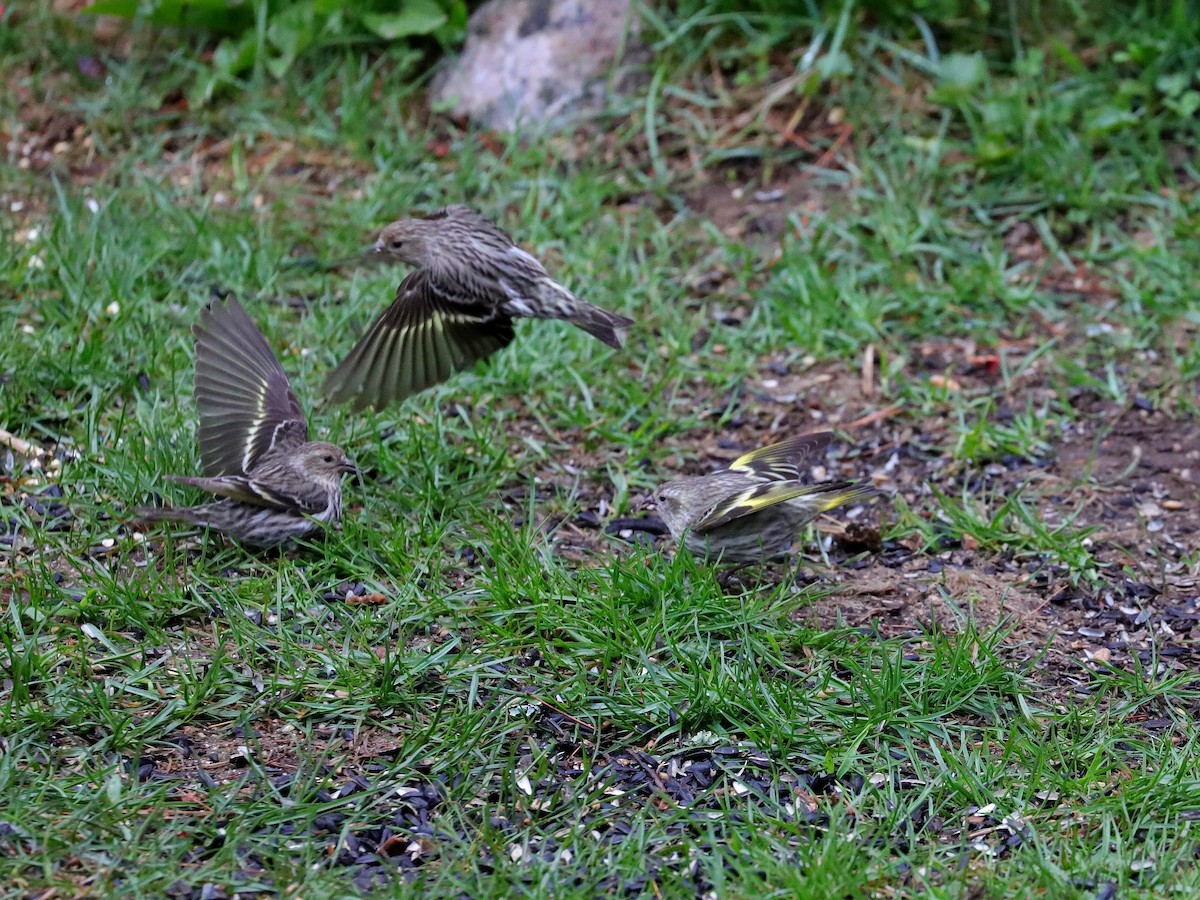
point(440, 239)
point(672, 500)
point(324, 460)
point(411, 241)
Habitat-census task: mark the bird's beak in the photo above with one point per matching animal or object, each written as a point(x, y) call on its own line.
point(347, 465)
point(377, 247)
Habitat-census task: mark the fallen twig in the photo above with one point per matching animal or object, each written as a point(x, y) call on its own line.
point(871, 418)
point(18, 445)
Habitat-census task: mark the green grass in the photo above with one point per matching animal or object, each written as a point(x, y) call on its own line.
point(516, 668)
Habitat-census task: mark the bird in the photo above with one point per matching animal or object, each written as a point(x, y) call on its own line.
point(274, 484)
point(751, 511)
point(455, 308)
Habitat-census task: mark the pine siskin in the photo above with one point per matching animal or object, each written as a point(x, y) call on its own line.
point(455, 309)
point(273, 482)
point(752, 510)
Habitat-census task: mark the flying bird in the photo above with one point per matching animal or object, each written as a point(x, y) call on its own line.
point(753, 510)
point(274, 484)
point(456, 308)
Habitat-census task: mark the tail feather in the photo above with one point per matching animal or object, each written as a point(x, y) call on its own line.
point(600, 323)
point(148, 515)
point(839, 495)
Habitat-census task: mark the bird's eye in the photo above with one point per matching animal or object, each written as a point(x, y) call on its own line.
point(327, 458)
point(397, 243)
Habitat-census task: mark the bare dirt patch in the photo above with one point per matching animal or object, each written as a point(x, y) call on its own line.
point(1129, 474)
point(223, 755)
point(758, 208)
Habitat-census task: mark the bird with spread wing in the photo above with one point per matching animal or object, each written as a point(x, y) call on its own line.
point(273, 483)
point(456, 308)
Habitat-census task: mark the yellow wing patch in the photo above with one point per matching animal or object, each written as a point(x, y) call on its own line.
point(768, 494)
point(784, 460)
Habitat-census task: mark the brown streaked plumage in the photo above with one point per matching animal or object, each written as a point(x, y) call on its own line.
point(273, 483)
point(752, 510)
point(423, 338)
point(245, 401)
point(456, 308)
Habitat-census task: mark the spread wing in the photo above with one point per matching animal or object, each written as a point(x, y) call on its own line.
point(785, 461)
point(428, 333)
point(246, 405)
point(819, 498)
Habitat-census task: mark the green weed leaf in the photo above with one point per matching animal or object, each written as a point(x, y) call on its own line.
point(959, 74)
point(415, 17)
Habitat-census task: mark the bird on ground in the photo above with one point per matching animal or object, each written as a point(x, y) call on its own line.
point(274, 484)
point(456, 308)
point(752, 510)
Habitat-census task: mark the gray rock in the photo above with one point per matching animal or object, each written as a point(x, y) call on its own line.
point(537, 64)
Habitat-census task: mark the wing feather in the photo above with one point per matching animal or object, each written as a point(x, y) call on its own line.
point(246, 405)
point(426, 335)
point(240, 488)
point(785, 461)
point(376, 358)
point(769, 493)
